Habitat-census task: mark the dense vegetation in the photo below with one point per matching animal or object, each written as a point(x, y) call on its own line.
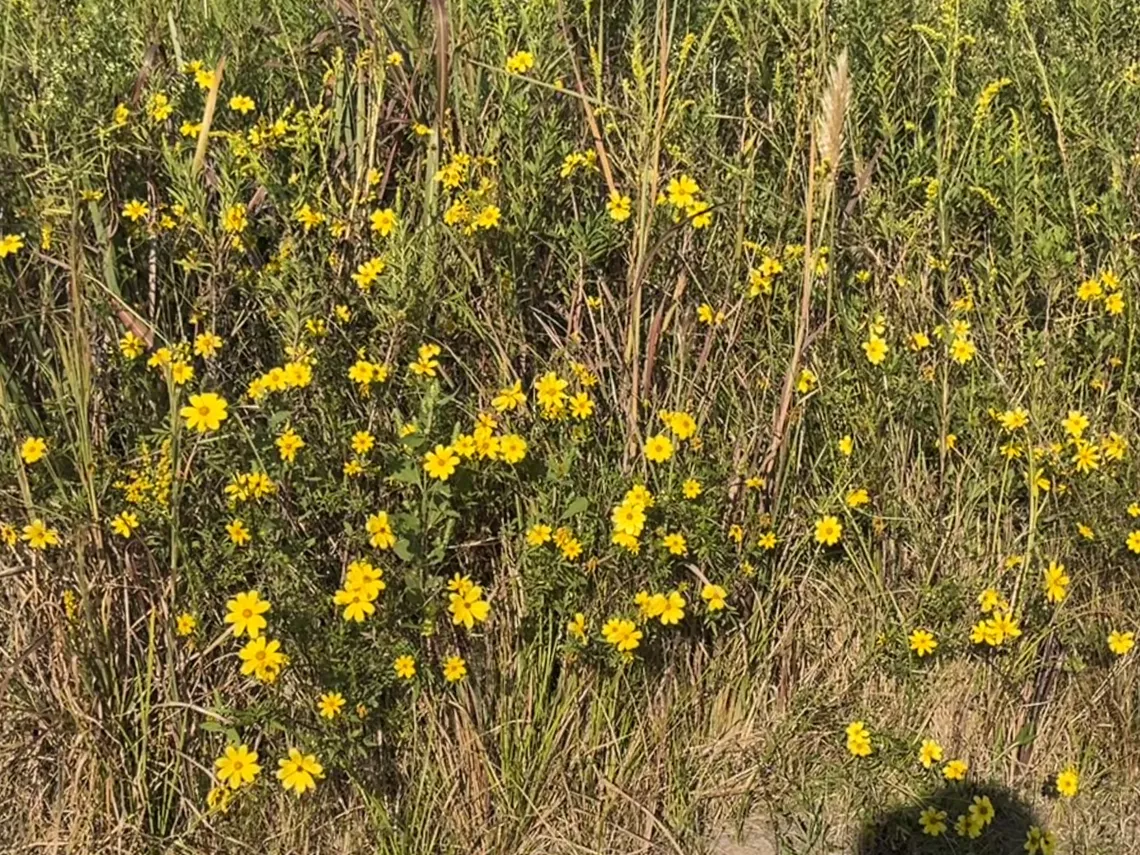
point(569, 426)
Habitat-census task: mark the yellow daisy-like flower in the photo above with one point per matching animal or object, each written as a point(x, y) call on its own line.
point(1121, 643)
point(859, 739)
point(38, 536)
point(131, 346)
point(245, 613)
point(828, 531)
point(298, 772)
point(933, 822)
point(237, 766)
point(1055, 582)
point(619, 206)
point(962, 350)
point(238, 532)
point(125, 523)
point(288, 444)
point(207, 345)
point(380, 532)
point(714, 597)
point(186, 624)
point(922, 642)
point(454, 669)
point(510, 398)
point(875, 349)
point(674, 610)
point(955, 770)
point(1068, 782)
point(468, 607)
point(330, 704)
point(10, 244)
point(512, 448)
point(658, 448)
point(1075, 424)
point(538, 534)
point(357, 602)
point(262, 658)
point(205, 412)
point(241, 104)
point(622, 634)
point(135, 210)
point(576, 627)
point(1039, 842)
point(33, 449)
point(384, 222)
point(520, 62)
point(443, 461)
point(929, 753)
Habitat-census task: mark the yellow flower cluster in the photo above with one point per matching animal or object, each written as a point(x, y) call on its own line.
point(575, 160)
point(466, 602)
point(668, 608)
point(520, 62)
point(296, 374)
point(425, 364)
point(148, 482)
point(249, 487)
point(682, 193)
point(553, 400)
point(261, 657)
point(473, 208)
point(368, 272)
point(362, 585)
point(562, 537)
point(1001, 625)
point(364, 373)
point(628, 518)
point(380, 533)
point(762, 277)
point(1105, 286)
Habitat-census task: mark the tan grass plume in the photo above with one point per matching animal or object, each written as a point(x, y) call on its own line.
point(833, 114)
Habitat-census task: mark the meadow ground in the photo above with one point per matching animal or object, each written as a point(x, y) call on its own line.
point(569, 426)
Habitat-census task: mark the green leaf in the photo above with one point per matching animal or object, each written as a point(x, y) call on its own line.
point(407, 522)
point(1026, 735)
point(410, 474)
point(401, 549)
point(576, 507)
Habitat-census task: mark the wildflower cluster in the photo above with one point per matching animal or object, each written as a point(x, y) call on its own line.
point(451, 388)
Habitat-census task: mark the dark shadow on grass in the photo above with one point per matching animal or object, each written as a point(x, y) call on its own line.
point(899, 832)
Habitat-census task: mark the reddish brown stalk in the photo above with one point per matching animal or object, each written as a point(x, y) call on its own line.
point(442, 41)
point(591, 120)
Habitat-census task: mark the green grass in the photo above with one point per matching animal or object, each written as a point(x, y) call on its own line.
point(976, 162)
